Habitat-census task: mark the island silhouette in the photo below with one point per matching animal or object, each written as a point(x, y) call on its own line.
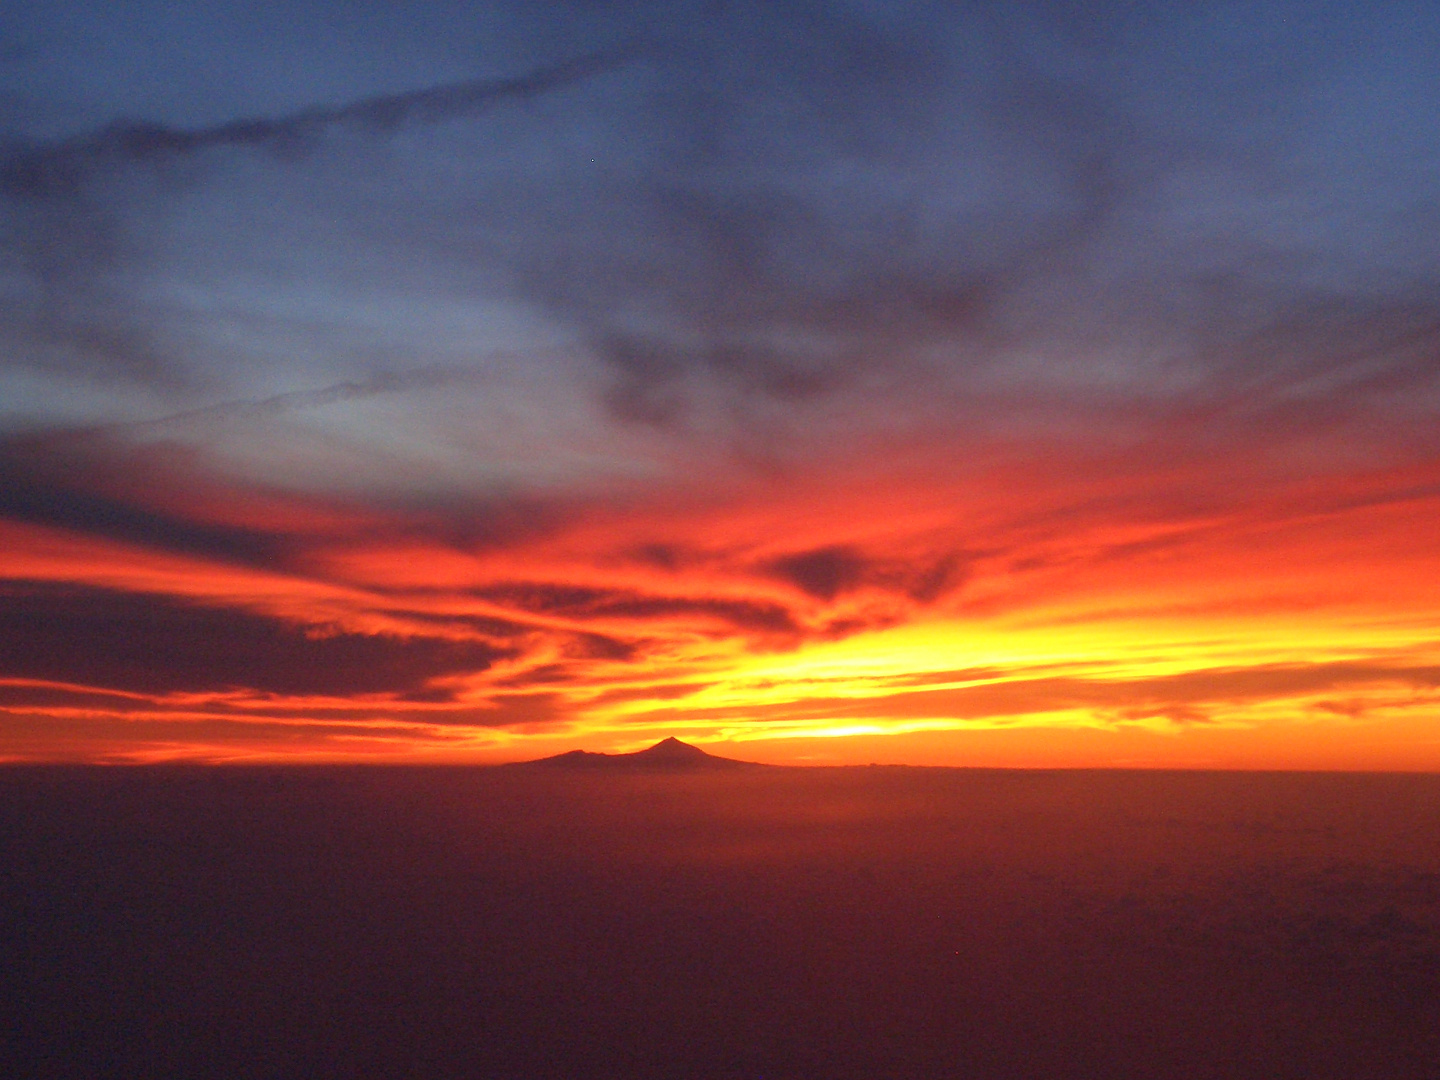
point(669, 755)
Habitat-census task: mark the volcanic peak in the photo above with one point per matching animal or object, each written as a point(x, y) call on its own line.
point(668, 753)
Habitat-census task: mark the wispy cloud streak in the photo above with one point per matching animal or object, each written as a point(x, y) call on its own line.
point(59, 169)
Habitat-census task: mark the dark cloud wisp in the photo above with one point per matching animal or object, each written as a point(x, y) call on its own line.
point(59, 169)
point(153, 644)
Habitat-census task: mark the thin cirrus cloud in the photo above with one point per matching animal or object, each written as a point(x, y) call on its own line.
point(554, 373)
point(61, 170)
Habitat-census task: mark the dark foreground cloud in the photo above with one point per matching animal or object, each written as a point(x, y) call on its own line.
point(89, 485)
point(156, 644)
point(828, 572)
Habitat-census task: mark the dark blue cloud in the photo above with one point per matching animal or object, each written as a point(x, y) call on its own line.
point(152, 644)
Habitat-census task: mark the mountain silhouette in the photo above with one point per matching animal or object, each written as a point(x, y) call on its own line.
point(667, 754)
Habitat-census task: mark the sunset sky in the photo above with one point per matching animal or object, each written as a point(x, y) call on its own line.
point(1000, 384)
